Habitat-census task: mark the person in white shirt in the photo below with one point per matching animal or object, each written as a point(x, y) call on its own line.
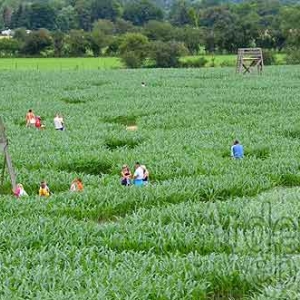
point(138, 175)
point(58, 122)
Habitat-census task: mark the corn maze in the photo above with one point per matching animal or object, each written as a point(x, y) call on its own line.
point(207, 226)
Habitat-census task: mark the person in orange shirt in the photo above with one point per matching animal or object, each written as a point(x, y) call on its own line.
point(76, 185)
point(30, 118)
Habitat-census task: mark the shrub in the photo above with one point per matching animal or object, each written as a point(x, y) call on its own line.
point(132, 59)
point(269, 57)
point(166, 55)
point(194, 63)
point(293, 56)
point(227, 63)
point(9, 47)
point(133, 49)
point(37, 42)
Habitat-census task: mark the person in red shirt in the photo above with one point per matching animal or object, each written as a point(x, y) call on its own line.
point(38, 123)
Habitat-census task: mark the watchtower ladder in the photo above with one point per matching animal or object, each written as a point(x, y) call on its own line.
point(248, 59)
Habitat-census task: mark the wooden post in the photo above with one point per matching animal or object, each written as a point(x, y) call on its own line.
point(7, 159)
point(10, 169)
point(3, 171)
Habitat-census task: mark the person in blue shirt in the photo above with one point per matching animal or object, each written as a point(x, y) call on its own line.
point(237, 150)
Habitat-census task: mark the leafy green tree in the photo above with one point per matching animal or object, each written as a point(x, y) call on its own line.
point(9, 47)
point(67, 19)
point(78, 43)
point(101, 35)
point(20, 35)
point(83, 11)
point(269, 57)
point(225, 31)
point(6, 16)
point(122, 26)
point(140, 12)
point(133, 49)
point(20, 17)
point(36, 42)
point(114, 45)
point(105, 9)
point(290, 24)
point(42, 15)
point(293, 56)
point(166, 55)
point(58, 43)
point(156, 30)
point(106, 26)
point(191, 37)
point(180, 13)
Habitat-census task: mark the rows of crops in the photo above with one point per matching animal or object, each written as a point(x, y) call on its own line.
point(207, 227)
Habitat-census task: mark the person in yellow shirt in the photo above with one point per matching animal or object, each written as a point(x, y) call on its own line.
point(44, 190)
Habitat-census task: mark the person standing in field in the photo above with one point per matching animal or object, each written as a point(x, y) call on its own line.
point(146, 175)
point(76, 185)
point(30, 118)
point(44, 190)
point(20, 192)
point(58, 122)
point(138, 175)
point(237, 150)
point(126, 175)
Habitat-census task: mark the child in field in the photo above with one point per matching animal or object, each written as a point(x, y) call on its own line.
point(20, 192)
point(76, 185)
point(237, 150)
point(59, 122)
point(38, 123)
point(44, 190)
point(126, 175)
point(30, 118)
point(146, 175)
point(138, 175)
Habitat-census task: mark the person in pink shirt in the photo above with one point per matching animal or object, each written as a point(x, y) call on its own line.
point(19, 191)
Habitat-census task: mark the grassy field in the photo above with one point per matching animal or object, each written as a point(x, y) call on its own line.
point(60, 63)
point(228, 60)
point(207, 227)
point(101, 63)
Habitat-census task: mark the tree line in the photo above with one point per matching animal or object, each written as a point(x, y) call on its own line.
point(138, 30)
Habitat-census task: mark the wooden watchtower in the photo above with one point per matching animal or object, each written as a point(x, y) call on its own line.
point(249, 59)
point(7, 160)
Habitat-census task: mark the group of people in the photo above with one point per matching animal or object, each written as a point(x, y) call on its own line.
point(140, 177)
point(36, 121)
point(44, 191)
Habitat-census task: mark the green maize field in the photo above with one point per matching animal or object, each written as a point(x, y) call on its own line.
point(207, 226)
